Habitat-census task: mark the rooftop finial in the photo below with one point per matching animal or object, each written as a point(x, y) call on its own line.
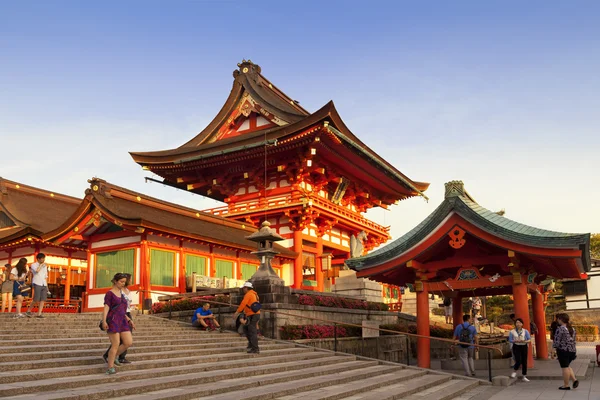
point(454, 189)
point(246, 66)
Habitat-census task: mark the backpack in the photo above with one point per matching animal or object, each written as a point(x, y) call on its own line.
point(533, 328)
point(464, 337)
point(447, 302)
point(256, 306)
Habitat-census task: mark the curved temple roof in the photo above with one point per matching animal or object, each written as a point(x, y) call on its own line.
point(291, 119)
point(27, 210)
point(458, 201)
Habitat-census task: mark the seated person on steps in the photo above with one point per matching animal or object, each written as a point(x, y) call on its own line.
point(203, 317)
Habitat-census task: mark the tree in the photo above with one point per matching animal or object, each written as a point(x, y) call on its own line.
point(595, 245)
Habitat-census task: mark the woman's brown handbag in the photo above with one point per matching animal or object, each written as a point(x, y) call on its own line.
point(24, 288)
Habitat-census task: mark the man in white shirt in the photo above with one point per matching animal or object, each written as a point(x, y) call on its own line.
point(39, 270)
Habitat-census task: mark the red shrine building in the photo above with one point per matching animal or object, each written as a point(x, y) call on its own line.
point(113, 229)
point(463, 250)
point(266, 157)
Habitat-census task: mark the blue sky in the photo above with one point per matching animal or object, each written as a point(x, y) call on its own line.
point(502, 95)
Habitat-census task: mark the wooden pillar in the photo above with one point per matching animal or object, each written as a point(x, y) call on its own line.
point(423, 344)
point(319, 265)
point(539, 317)
point(457, 313)
point(212, 268)
point(521, 306)
point(68, 282)
point(145, 268)
point(298, 260)
point(182, 270)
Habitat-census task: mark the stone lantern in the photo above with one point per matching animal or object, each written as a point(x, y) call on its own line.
point(269, 286)
point(265, 237)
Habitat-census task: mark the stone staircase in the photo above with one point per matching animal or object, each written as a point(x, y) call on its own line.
point(59, 357)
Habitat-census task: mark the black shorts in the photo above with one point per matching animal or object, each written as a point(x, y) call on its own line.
point(565, 357)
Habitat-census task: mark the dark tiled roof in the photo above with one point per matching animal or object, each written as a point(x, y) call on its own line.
point(489, 221)
point(276, 102)
point(159, 215)
point(34, 211)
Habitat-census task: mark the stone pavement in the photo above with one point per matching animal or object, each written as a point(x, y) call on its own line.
point(544, 370)
point(589, 389)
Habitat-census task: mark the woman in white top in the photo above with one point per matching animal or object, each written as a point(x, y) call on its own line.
point(520, 339)
point(19, 276)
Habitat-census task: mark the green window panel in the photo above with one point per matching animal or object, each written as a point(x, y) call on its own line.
point(112, 262)
point(162, 268)
point(224, 268)
point(248, 270)
point(195, 264)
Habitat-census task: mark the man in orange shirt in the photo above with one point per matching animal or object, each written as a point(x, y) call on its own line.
point(250, 297)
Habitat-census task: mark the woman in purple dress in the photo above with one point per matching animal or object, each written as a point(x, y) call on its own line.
point(116, 322)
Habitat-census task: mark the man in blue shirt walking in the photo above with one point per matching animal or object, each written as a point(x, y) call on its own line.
point(466, 334)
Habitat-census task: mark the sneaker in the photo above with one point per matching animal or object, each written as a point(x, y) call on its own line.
point(19, 316)
point(513, 375)
point(525, 379)
point(111, 371)
point(253, 351)
point(40, 316)
point(117, 363)
point(28, 313)
point(125, 361)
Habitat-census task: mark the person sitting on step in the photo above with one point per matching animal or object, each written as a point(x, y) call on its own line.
point(204, 318)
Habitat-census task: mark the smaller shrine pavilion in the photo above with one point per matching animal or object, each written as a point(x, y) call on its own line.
point(463, 250)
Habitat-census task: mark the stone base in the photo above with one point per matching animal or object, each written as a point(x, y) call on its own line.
point(270, 289)
point(409, 303)
point(349, 285)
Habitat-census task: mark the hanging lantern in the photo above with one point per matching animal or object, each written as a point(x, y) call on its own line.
point(326, 261)
point(79, 270)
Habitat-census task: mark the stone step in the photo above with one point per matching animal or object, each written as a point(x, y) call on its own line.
point(344, 390)
point(204, 382)
point(230, 361)
point(136, 352)
point(93, 329)
point(25, 364)
point(403, 389)
point(52, 384)
point(138, 344)
point(266, 390)
point(446, 391)
point(188, 334)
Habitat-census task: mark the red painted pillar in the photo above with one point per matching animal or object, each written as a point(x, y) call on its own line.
point(522, 308)
point(539, 317)
point(319, 265)
point(457, 313)
point(423, 344)
point(298, 260)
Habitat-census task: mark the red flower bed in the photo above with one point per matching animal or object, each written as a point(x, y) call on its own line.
point(297, 332)
point(187, 304)
point(340, 302)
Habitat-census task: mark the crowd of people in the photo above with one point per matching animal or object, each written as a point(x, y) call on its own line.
point(562, 334)
point(19, 282)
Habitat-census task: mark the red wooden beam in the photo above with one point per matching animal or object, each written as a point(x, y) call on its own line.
point(471, 284)
point(454, 262)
